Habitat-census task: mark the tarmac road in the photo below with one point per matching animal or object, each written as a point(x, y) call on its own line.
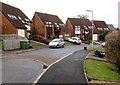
point(20, 70)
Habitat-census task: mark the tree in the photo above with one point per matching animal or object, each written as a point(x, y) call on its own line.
point(82, 16)
point(113, 48)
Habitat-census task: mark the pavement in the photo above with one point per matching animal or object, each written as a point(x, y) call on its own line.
point(68, 70)
point(18, 51)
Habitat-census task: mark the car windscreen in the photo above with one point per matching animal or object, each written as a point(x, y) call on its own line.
point(55, 40)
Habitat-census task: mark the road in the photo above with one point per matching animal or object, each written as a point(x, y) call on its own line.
point(20, 68)
point(56, 52)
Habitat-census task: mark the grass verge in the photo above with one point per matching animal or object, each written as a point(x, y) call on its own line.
point(92, 52)
point(37, 47)
point(68, 43)
point(1, 45)
point(101, 70)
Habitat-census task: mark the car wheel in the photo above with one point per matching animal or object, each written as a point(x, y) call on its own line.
point(57, 45)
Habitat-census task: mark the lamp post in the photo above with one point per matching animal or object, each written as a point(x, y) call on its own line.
point(92, 26)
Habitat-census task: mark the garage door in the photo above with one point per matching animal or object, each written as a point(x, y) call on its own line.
point(21, 32)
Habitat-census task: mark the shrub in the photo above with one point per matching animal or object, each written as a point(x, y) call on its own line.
point(40, 39)
point(103, 35)
point(113, 48)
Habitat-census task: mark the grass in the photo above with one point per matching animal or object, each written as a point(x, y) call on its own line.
point(92, 52)
point(37, 47)
point(68, 43)
point(1, 45)
point(101, 70)
point(88, 42)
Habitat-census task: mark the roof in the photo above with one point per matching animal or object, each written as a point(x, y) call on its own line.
point(14, 15)
point(49, 18)
point(100, 26)
point(111, 27)
point(80, 22)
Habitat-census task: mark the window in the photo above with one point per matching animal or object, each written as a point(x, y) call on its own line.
point(27, 20)
point(23, 21)
point(19, 18)
point(75, 26)
point(49, 23)
point(101, 28)
point(89, 26)
point(98, 28)
point(67, 34)
point(55, 23)
point(61, 24)
point(46, 22)
point(12, 16)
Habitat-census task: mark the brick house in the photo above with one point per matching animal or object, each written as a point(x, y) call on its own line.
point(99, 28)
point(14, 21)
point(47, 25)
point(79, 28)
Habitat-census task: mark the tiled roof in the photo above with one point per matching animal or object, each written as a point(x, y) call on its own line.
point(79, 22)
point(14, 15)
point(49, 18)
point(111, 27)
point(100, 26)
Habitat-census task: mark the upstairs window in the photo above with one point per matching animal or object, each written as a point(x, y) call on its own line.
point(61, 24)
point(12, 16)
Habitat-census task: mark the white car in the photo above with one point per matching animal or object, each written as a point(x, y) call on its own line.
point(75, 40)
point(57, 43)
point(103, 44)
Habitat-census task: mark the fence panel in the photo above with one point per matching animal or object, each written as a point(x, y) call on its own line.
point(11, 44)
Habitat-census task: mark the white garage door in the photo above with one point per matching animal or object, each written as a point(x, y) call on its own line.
point(95, 37)
point(21, 32)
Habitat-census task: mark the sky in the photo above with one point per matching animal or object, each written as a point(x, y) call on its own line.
point(105, 10)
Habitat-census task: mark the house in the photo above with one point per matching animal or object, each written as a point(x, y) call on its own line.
point(111, 27)
point(99, 28)
point(14, 21)
point(79, 28)
point(47, 25)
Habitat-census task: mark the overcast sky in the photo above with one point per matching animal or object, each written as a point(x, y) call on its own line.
point(106, 10)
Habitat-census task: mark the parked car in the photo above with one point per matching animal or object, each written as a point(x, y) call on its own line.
point(75, 40)
point(103, 44)
point(57, 43)
point(100, 54)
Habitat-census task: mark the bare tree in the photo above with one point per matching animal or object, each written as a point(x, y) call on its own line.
point(83, 16)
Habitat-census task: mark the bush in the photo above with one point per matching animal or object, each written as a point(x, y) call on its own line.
point(113, 48)
point(40, 39)
point(103, 35)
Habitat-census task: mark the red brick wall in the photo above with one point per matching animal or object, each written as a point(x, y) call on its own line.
point(7, 27)
point(70, 28)
point(38, 25)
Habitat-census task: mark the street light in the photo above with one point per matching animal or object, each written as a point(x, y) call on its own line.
point(92, 26)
